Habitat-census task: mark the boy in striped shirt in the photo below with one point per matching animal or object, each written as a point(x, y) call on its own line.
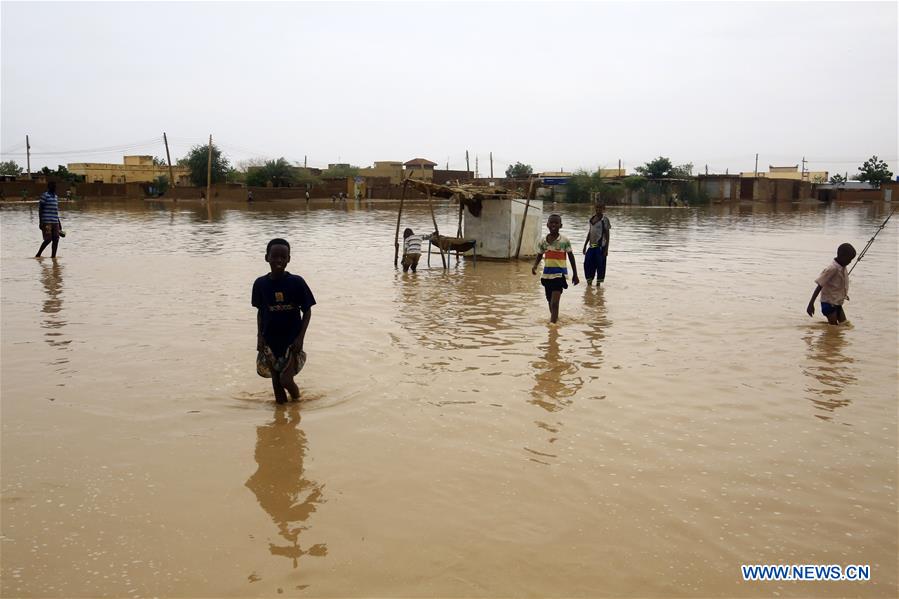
point(51, 226)
point(553, 249)
point(412, 249)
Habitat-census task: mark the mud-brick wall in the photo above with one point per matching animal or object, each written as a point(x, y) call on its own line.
point(16, 190)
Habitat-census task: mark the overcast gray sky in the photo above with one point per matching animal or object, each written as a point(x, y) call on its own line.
point(554, 85)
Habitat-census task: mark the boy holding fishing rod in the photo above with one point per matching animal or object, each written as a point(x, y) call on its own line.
point(833, 282)
point(833, 286)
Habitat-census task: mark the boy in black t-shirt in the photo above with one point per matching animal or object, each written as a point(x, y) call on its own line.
point(284, 303)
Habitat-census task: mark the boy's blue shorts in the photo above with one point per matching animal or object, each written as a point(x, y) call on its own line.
point(828, 309)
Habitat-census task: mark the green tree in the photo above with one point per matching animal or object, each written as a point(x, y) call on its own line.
point(161, 184)
point(157, 161)
point(519, 171)
point(837, 179)
point(681, 171)
point(277, 172)
point(633, 184)
point(196, 161)
point(580, 184)
point(10, 167)
point(874, 171)
point(656, 169)
point(61, 174)
point(235, 176)
point(341, 171)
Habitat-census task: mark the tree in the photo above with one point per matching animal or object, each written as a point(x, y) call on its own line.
point(157, 161)
point(579, 186)
point(519, 171)
point(837, 179)
point(235, 176)
point(10, 168)
point(656, 169)
point(196, 161)
point(341, 171)
point(632, 184)
point(161, 185)
point(61, 174)
point(874, 171)
point(681, 171)
point(277, 172)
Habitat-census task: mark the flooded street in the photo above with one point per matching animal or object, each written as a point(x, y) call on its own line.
point(683, 420)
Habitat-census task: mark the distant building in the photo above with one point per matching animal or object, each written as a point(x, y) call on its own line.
point(790, 172)
point(135, 169)
point(393, 169)
point(420, 168)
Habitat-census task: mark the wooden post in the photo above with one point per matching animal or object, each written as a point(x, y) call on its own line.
point(399, 215)
point(467, 165)
point(524, 219)
point(169, 159)
point(459, 229)
point(209, 172)
point(209, 180)
point(491, 165)
point(28, 154)
point(436, 229)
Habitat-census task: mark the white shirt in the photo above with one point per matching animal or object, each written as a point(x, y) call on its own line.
point(834, 282)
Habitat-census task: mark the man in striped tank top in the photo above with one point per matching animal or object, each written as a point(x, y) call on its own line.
point(552, 250)
point(51, 226)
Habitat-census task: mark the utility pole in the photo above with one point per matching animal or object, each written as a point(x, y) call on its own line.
point(169, 159)
point(447, 163)
point(467, 165)
point(304, 160)
point(476, 166)
point(28, 154)
point(491, 165)
point(802, 176)
point(209, 172)
point(707, 169)
point(756, 165)
point(619, 167)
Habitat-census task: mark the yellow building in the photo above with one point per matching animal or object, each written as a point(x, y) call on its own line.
point(385, 168)
point(420, 168)
point(789, 172)
point(135, 169)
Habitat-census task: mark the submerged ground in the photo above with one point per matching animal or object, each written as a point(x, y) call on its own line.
point(684, 420)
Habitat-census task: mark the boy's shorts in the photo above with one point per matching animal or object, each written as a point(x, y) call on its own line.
point(50, 231)
point(550, 285)
point(266, 362)
point(410, 260)
point(828, 309)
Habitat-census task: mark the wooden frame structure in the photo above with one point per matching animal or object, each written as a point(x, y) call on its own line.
point(469, 196)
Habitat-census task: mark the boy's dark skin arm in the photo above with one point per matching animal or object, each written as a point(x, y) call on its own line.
point(605, 250)
point(574, 279)
point(260, 341)
point(536, 264)
point(297, 344)
point(811, 302)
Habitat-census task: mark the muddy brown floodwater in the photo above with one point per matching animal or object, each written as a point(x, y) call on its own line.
point(684, 420)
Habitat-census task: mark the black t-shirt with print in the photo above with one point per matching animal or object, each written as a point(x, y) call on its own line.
point(281, 302)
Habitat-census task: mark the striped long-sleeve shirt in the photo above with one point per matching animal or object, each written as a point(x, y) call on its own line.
point(49, 208)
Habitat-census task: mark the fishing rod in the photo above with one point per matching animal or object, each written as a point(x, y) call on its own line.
point(870, 241)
